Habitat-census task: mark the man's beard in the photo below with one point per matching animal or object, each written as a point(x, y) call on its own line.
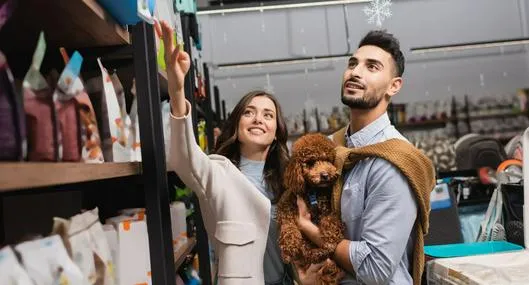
point(362, 103)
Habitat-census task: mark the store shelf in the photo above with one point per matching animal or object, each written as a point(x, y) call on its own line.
point(182, 253)
point(66, 23)
point(324, 132)
point(23, 175)
point(431, 124)
point(498, 116)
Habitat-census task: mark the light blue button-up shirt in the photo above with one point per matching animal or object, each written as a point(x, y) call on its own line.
point(379, 210)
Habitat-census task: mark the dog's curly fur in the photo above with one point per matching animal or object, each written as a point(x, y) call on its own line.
point(310, 169)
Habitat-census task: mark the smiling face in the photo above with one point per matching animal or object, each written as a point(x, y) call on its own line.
point(258, 124)
point(369, 78)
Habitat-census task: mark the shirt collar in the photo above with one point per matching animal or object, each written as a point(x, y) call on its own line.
point(366, 135)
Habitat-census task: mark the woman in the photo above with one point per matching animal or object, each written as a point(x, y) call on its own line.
point(235, 185)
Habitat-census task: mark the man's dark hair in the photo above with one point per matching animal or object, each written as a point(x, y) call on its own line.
point(389, 43)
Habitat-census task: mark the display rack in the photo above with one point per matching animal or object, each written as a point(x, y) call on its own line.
point(85, 26)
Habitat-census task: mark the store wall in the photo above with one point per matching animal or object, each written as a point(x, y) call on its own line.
point(279, 34)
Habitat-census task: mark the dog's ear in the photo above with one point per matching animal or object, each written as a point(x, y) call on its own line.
point(293, 178)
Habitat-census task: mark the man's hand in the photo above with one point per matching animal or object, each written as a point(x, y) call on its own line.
point(305, 224)
point(311, 275)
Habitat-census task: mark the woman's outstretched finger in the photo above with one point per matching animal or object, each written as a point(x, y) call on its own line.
point(167, 38)
point(157, 29)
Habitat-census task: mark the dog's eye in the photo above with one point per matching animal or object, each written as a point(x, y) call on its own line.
point(310, 163)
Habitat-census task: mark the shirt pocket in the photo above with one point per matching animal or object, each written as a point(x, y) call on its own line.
point(352, 202)
point(237, 249)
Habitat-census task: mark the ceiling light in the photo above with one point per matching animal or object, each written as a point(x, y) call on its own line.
point(468, 46)
point(281, 6)
point(279, 62)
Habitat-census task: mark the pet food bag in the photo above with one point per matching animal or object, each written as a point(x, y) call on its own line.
point(13, 134)
point(111, 236)
point(133, 249)
point(86, 122)
point(66, 106)
point(86, 242)
point(47, 262)
point(41, 121)
point(105, 266)
point(134, 134)
point(11, 272)
point(116, 125)
point(76, 239)
point(178, 224)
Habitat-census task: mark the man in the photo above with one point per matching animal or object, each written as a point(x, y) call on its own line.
point(378, 205)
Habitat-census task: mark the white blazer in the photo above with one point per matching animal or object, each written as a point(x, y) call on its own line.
point(236, 215)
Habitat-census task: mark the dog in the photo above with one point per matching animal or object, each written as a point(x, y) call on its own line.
point(310, 174)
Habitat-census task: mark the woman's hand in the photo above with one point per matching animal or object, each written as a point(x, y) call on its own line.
point(177, 63)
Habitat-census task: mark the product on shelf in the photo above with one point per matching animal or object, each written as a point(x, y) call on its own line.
point(111, 236)
point(178, 225)
point(101, 90)
point(166, 120)
point(132, 234)
point(86, 242)
point(70, 144)
point(12, 124)
point(11, 272)
point(47, 262)
point(202, 138)
point(41, 118)
point(134, 133)
point(76, 239)
point(91, 151)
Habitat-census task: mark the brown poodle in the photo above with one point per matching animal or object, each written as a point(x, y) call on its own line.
point(310, 174)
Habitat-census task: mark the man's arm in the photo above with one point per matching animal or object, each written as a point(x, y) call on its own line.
point(389, 215)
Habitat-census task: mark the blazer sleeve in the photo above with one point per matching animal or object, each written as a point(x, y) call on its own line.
point(187, 159)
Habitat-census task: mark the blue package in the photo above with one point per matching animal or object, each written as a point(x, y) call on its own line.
point(468, 249)
point(125, 12)
point(440, 197)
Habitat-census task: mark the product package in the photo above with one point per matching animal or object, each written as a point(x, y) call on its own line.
point(90, 140)
point(105, 266)
point(41, 119)
point(134, 134)
point(47, 262)
point(70, 143)
point(166, 120)
point(13, 135)
point(86, 243)
point(111, 236)
point(76, 239)
point(11, 272)
point(111, 126)
point(133, 247)
point(178, 224)
point(5, 12)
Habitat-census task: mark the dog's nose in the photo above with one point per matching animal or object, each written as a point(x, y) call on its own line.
point(324, 176)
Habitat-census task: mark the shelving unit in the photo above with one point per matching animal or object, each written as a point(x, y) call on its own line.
point(71, 24)
point(85, 26)
point(181, 255)
point(17, 176)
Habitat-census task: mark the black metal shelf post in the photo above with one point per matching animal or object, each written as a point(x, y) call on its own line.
point(189, 89)
point(153, 156)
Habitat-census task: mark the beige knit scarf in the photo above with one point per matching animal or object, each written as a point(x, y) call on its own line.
point(413, 164)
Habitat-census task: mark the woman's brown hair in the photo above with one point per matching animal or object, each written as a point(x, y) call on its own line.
point(229, 146)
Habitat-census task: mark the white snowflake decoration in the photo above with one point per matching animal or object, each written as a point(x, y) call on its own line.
point(378, 11)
